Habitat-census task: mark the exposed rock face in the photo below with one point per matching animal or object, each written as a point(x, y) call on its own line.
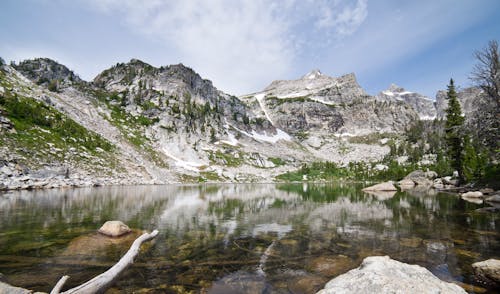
point(325, 105)
point(381, 274)
point(43, 70)
point(168, 124)
point(424, 106)
point(319, 87)
point(114, 229)
point(469, 98)
point(386, 186)
point(488, 271)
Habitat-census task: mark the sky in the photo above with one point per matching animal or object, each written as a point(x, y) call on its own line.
point(243, 45)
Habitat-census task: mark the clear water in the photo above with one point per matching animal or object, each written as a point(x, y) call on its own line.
point(241, 238)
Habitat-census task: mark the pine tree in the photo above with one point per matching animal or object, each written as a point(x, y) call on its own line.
point(453, 129)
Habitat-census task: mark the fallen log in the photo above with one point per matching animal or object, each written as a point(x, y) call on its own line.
point(103, 281)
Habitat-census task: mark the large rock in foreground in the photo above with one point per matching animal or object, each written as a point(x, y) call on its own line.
point(488, 271)
point(381, 274)
point(386, 186)
point(114, 229)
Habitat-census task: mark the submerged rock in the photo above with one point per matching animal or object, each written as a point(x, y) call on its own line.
point(6, 288)
point(386, 186)
point(381, 274)
point(114, 228)
point(488, 271)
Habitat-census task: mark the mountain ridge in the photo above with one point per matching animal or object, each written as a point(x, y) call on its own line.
point(169, 124)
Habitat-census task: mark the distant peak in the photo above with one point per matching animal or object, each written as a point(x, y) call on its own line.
point(313, 74)
point(395, 88)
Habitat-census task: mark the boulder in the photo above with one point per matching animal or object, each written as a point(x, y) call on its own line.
point(450, 181)
point(425, 182)
point(474, 200)
point(381, 274)
point(430, 175)
point(386, 186)
point(6, 288)
point(472, 194)
point(488, 271)
point(114, 228)
point(487, 191)
point(415, 174)
point(494, 198)
point(406, 183)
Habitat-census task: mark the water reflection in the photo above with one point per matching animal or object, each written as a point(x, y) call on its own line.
point(234, 237)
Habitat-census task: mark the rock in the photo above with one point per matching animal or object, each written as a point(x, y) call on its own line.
point(99, 246)
point(487, 191)
point(472, 194)
point(386, 186)
point(438, 184)
point(488, 271)
point(474, 200)
point(6, 288)
point(5, 170)
point(449, 181)
point(431, 175)
point(421, 178)
point(330, 266)
point(114, 228)
point(423, 182)
point(306, 284)
point(421, 174)
point(494, 198)
point(381, 274)
point(406, 183)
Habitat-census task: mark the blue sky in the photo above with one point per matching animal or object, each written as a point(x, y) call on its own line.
point(243, 45)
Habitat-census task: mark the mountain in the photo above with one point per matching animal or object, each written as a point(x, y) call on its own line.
point(136, 123)
point(422, 105)
point(323, 105)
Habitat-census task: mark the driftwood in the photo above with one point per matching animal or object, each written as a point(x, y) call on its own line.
point(103, 281)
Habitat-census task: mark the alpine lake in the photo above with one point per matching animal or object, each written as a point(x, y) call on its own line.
point(238, 238)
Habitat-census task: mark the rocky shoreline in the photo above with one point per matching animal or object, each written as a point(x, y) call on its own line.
point(15, 177)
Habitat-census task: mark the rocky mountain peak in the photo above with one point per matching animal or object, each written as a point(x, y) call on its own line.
point(313, 74)
point(421, 104)
point(395, 89)
point(44, 70)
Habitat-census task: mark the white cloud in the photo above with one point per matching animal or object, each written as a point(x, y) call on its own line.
point(240, 45)
point(345, 19)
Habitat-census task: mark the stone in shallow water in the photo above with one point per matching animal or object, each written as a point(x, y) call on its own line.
point(488, 271)
point(331, 266)
point(240, 282)
point(381, 274)
point(306, 284)
point(114, 228)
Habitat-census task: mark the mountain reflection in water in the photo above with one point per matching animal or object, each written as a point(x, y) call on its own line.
point(237, 238)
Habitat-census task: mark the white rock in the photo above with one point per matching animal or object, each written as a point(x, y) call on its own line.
point(472, 194)
point(488, 270)
point(386, 186)
point(406, 183)
point(474, 200)
point(114, 228)
point(381, 274)
point(494, 198)
point(6, 171)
